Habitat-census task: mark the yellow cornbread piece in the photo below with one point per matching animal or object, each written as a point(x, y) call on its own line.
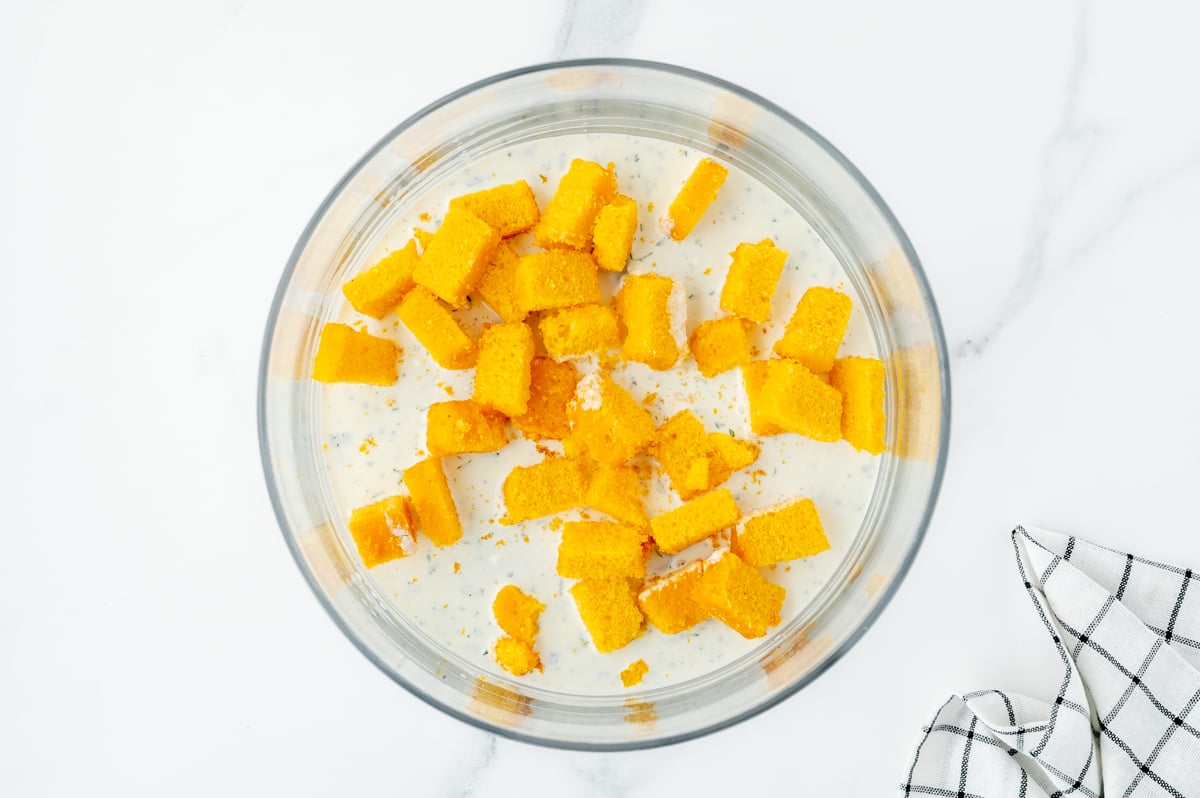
point(497, 284)
point(737, 595)
point(602, 550)
point(608, 423)
point(815, 331)
point(634, 674)
point(787, 531)
point(754, 375)
point(579, 331)
point(860, 381)
point(517, 613)
point(720, 344)
point(612, 238)
point(377, 291)
point(653, 310)
point(456, 256)
point(617, 491)
point(751, 280)
point(679, 444)
point(463, 426)
point(435, 327)
point(516, 656)
point(551, 387)
point(503, 369)
point(698, 192)
point(383, 531)
point(797, 400)
point(437, 517)
point(423, 237)
point(667, 601)
point(571, 213)
point(697, 477)
point(609, 610)
point(509, 209)
point(695, 520)
point(552, 486)
point(729, 454)
point(559, 278)
point(345, 354)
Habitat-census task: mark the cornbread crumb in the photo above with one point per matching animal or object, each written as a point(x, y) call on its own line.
point(737, 595)
point(497, 284)
point(579, 331)
point(634, 674)
point(720, 344)
point(510, 208)
point(551, 387)
point(552, 486)
point(571, 213)
point(612, 237)
point(463, 426)
point(652, 308)
point(345, 354)
point(437, 517)
point(860, 381)
point(602, 550)
point(695, 520)
point(377, 291)
point(517, 613)
point(503, 369)
point(607, 422)
point(516, 656)
point(667, 601)
point(383, 531)
point(559, 278)
point(751, 280)
point(609, 610)
point(787, 531)
point(698, 192)
point(815, 331)
point(616, 491)
point(456, 256)
point(435, 327)
point(795, 399)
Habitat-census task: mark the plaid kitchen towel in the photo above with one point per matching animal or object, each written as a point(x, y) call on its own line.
point(1126, 720)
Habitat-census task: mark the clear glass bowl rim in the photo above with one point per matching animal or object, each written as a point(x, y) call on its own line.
point(926, 296)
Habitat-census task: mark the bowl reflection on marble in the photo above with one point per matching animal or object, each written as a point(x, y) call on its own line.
point(709, 116)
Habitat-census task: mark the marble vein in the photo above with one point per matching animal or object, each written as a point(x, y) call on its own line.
point(592, 28)
point(467, 776)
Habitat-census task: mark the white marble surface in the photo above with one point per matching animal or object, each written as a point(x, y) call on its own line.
point(157, 162)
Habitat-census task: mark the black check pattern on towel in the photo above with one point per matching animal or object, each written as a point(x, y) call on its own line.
point(1126, 719)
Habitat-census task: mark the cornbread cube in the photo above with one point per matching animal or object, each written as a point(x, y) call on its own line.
point(463, 426)
point(667, 601)
point(787, 531)
point(698, 192)
point(377, 291)
point(609, 610)
point(606, 422)
point(679, 444)
point(798, 401)
point(517, 613)
point(737, 595)
point(695, 520)
point(503, 369)
point(754, 375)
point(571, 213)
point(612, 238)
point(602, 550)
point(555, 279)
point(423, 237)
point(815, 331)
point(509, 208)
point(751, 280)
point(516, 656)
point(437, 517)
point(383, 531)
point(697, 477)
point(456, 256)
point(551, 387)
point(634, 674)
point(653, 309)
point(579, 331)
point(860, 381)
point(720, 344)
point(497, 284)
point(729, 455)
point(616, 491)
point(435, 327)
point(552, 486)
point(345, 354)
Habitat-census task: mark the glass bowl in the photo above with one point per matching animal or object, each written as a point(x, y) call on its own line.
point(675, 105)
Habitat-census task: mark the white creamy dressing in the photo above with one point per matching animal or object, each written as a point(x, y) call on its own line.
point(455, 608)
